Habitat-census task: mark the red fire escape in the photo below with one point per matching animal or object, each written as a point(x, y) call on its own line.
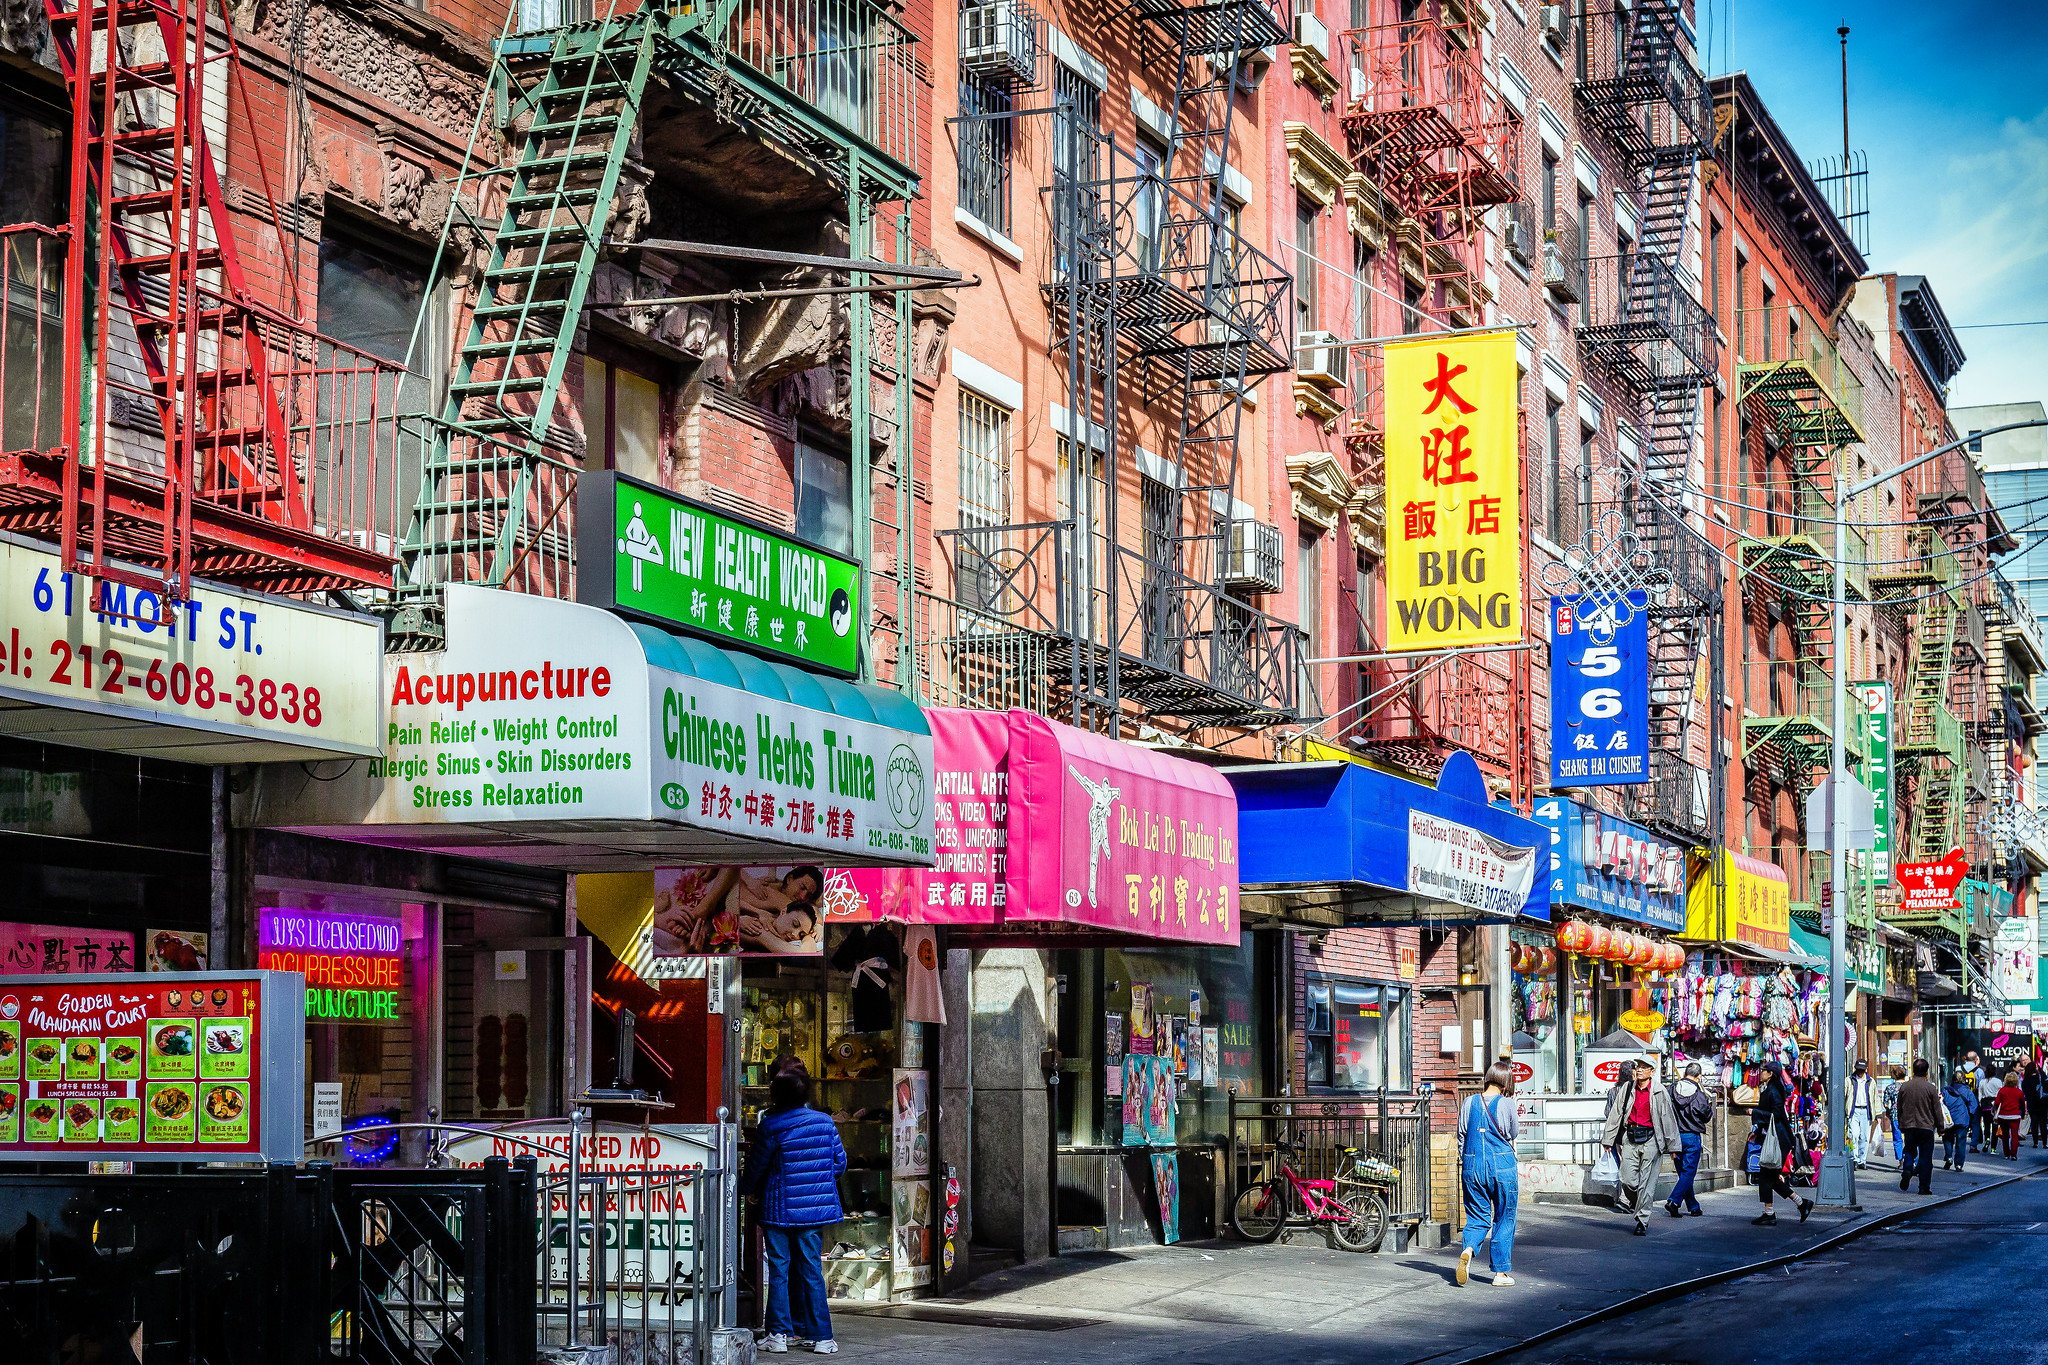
point(162, 422)
point(1426, 126)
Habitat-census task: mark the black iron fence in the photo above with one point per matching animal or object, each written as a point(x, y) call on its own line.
point(1318, 1129)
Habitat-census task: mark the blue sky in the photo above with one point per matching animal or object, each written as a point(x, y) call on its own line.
point(1950, 102)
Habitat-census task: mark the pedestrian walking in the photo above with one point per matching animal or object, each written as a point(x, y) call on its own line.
point(2012, 1107)
point(1891, 1112)
point(1862, 1113)
point(1695, 1110)
point(794, 1167)
point(1487, 1129)
point(1959, 1106)
point(1777, 1139)
point(2036, 1086)
point(1923, 1114)
point(1641, 1129)
point(1989, 1083)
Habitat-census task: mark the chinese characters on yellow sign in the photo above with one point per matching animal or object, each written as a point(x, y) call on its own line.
point(1757, 911)
point(1454, 507)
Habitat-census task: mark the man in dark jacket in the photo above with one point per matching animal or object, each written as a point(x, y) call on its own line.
point(1641, 1128)
point(1695, 1111)
point(1922, 1115)
point(794, 1165)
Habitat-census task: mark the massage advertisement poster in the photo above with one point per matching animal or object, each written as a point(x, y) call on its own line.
point(743, 911)
point(148, 1066)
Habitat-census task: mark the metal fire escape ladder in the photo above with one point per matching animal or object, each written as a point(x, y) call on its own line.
point(1929, 747)
point(491, 490)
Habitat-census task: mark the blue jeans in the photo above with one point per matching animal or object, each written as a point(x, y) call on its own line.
point(1490, 1198)
point(1898, 1140)
point(1688, 1166)
point(796, 1307)
point(1957, 1143)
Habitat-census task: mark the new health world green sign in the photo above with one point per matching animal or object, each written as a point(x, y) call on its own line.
point(650, 553)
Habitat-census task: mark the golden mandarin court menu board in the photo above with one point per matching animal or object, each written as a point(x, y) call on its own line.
point(167, 1066)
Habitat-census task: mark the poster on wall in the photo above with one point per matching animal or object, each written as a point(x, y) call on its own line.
point(54, 949)
point(910, 1143)
point(1212, 1051)
point(742, 911)
point(1151, 1101)
point(910, 1208)
point(175, 950)
point(2016, 956)
point(170, 1067)
point(1143, 1022)
point(1166, 1182)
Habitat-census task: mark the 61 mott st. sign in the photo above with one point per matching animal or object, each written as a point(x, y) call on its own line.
point(1453, 489)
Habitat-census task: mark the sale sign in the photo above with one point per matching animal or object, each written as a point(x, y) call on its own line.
point(1931, 887)
point(1453, 493)
point(158, 1066)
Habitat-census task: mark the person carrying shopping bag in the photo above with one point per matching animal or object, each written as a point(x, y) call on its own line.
point(1771, 1128)
point(1959, 1109)
point(1487, 1129)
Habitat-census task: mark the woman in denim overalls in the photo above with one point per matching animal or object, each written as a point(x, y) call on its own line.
point(1486, 1143)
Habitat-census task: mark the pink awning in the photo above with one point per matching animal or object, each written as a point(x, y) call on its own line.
point(1041, 823)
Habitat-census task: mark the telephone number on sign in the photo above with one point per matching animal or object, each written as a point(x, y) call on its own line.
point(104, 672)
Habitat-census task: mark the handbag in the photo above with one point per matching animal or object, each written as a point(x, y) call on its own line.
point(1753, 1160)
point(1771, 1152)
point(1606, 1170)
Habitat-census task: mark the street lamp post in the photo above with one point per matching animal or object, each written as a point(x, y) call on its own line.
point(1837, 1172)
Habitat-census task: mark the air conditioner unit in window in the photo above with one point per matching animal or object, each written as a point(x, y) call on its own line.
point(1553, 22)
point(1319, 357)
point(1309, 32)
point(1516, 233)
point(1000, 38)
point(1254, 560)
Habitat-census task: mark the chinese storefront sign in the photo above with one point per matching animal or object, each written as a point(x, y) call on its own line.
point(151, 1067)
point(1931, 887)
point(1877, 774)
point(710, 574)
point(353, 965)
point(2016, 957)
point(1758, 907)
point(56, 949)
point(1599, 695)
point(231, 663)
point(1460, 865)
point(1605, 863)
point(1453, 493)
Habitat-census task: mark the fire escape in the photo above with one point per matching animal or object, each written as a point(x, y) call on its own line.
point(829, 84)
point(164, 421)
point(1638, 85)
point(1427, 133)
point(1155, 301)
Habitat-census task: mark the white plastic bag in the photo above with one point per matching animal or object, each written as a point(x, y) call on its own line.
point(1606, 1170)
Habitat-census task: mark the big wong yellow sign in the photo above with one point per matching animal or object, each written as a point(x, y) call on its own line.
point(1454, 505)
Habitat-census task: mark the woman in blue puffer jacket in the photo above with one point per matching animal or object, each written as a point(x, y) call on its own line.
point(794, 1165)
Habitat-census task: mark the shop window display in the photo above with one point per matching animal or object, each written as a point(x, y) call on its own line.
point(841, 1018)
point(1356, 1035)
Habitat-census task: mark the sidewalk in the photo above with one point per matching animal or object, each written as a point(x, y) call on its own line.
point(1226, 1303)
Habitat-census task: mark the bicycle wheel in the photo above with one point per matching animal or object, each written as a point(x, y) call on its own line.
point(1260, 1211)
point(1367, 1226)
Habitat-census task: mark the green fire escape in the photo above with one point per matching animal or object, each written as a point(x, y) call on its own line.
point(828, 83)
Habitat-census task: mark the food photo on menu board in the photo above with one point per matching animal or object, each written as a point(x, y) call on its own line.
point(137, 1064)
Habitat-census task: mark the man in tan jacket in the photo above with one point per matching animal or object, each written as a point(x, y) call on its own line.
point(1921, 1116)
point(1641, 1129)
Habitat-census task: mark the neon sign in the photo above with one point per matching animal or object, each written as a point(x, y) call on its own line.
point(353, 964)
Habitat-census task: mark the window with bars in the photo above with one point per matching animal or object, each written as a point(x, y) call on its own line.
point(1080, 571)
point(984, 497)
point(986, 131)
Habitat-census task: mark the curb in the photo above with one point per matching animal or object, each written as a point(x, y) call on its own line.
point(1665, 1293)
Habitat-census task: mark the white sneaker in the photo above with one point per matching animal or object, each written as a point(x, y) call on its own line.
point(1503, 1278)
point(827, 1347)
point(1464, 1265)
point(775, 1344)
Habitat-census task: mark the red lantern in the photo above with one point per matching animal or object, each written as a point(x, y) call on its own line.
point(1674, 957)
point(1571, 936)
point(1597, 937)
point(1620, 943)
point(1647, 952)
point(1525, 958)
point(1548, 964)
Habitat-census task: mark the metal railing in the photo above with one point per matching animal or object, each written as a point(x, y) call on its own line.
point(851, 60)
point(1564, 261)
point(2021, 625)
point(506, 516)
point(1636, 75)
point(1644, 321)
point(1785, 351)
point(1800, 689)
point(1394, 1128)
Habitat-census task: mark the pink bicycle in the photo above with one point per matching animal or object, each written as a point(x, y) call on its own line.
point(1353, 1206)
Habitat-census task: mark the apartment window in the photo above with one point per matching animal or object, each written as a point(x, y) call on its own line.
point(824, 495)
point(1159, 508)
point(985, 137)
point(1976, 441)
point(1080, 588)
point(1363, 263)
point(1411, 306)
point(1584, 264)
point(984, 496)
point(1308, 578)
point(1742, 318)
point(621, 420)
point(1765, 322)
point(1147, 202)
point(1357, 1035)
point(34, 176)
point(1551, 173)
point(1714, 268)
point(1553, 468)
point(538, 15)
point(1079, 123)
point(1305, 266)
point(1588, 456)
point(370, 298)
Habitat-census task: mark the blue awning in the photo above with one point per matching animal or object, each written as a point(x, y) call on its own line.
point(1335, 843)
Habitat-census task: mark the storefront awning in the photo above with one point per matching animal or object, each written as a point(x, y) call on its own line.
point(1044, 829)
point(1749, 912)
point(1350, 843)
point(557, 735)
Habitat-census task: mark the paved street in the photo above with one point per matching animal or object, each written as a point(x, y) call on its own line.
point(1224, 1303)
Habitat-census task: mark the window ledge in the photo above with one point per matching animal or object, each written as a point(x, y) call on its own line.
point(1546, 543)
point(974, 227)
